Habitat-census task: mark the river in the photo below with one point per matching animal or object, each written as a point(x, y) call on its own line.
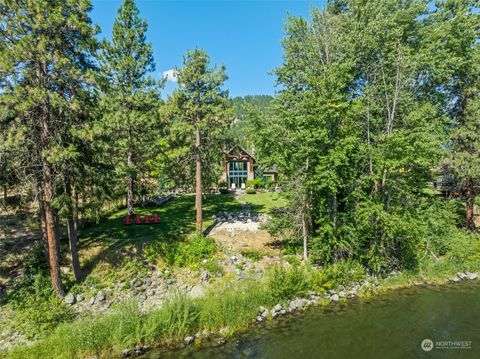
point(392, 325)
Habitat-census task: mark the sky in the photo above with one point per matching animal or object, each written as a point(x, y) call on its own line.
point(244, 35)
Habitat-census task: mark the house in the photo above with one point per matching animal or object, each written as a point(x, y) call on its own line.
point(240, 167)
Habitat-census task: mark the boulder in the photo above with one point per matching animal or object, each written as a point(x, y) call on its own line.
point(136, 283)
point(471, 276)
point(334, 298)
point(70, 299)
point(80, 297)
point(101, 296)
point(189, 340)
point(223, 331)
point(205, 275)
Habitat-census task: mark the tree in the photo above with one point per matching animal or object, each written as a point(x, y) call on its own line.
point(130, 96)
point(453, 41)
point(356, 130)
point(199, 113)
point(45, 76)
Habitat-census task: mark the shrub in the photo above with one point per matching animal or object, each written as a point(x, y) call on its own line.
point(222, 184)
point(36, 316)
point(191, 253)
point(250, 191)
point(253, 254)
point(223, 190)
point(284, 284)
point(255, 183)
point(344, 272)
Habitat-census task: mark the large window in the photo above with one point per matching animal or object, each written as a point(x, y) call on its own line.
point(237, 173)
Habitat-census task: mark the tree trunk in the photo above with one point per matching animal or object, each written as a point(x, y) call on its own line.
point(470, 194)
point(198, 182)
point(305, 236)
point(52, 237)
point(130, 208)
point(75, 209)
point(72, 236)
point(43, 225)
point(5, 197)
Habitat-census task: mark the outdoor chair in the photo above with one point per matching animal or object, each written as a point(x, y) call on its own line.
point(155, 218)
point(127, 220)
point(138, 220)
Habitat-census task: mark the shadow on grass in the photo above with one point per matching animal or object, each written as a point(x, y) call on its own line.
point(177, 220)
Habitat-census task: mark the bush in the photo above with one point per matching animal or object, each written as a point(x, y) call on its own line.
point(255, 183)
point(191, 253)
point(36, 316)
point(284, 284)
point(223, 190)
point(345, 272)
point(188, 253)
point(253, 254)
point(223, 184)
point(250, 191)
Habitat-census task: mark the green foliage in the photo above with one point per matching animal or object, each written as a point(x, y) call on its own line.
point(253, 254)
point(185, 254)
point(177, 317)
point(256, 183)
point(284, 284)
point(233, 306)
point(250, 191)
point(36, 316)
point(199, 105)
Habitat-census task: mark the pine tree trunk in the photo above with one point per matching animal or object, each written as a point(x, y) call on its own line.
point(198, 182)
point(75, 209)
point(72, 237)
point(43, 225)
point(470, 204)
point(51, 229)
point(130, 178)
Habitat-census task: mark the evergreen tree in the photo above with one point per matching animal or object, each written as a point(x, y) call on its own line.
point(199, 113)
point(45, 64)
point(130, 97)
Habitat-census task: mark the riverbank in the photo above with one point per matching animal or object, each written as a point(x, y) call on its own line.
point(229, 306)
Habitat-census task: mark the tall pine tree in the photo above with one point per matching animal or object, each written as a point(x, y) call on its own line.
point(199, 112)
point(130, 96)
point(45, 64)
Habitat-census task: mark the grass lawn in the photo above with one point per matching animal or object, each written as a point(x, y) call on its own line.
point(264, 201)
point(111, 241)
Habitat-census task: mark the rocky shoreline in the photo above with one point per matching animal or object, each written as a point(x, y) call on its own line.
point(296, 305)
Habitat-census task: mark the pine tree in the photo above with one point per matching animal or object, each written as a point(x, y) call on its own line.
point(199, 112)
point(45, 64)
point(130, 97)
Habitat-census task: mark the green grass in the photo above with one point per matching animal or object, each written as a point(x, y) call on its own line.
point(264, 201)
point(177, 218)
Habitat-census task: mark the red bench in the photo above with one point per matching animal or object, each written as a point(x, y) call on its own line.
point(147, 219)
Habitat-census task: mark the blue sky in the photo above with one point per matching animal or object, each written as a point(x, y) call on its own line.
point(243, 35)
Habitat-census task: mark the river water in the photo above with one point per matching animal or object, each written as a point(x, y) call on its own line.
point(389, 326)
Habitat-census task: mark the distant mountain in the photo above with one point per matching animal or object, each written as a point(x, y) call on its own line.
point(240, 103)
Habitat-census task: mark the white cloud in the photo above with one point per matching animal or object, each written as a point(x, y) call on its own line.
point(170, 75)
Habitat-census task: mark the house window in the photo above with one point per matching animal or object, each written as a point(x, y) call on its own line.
point(237, 174)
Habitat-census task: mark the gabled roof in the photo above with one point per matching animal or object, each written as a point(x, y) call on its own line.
point(242, 149)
